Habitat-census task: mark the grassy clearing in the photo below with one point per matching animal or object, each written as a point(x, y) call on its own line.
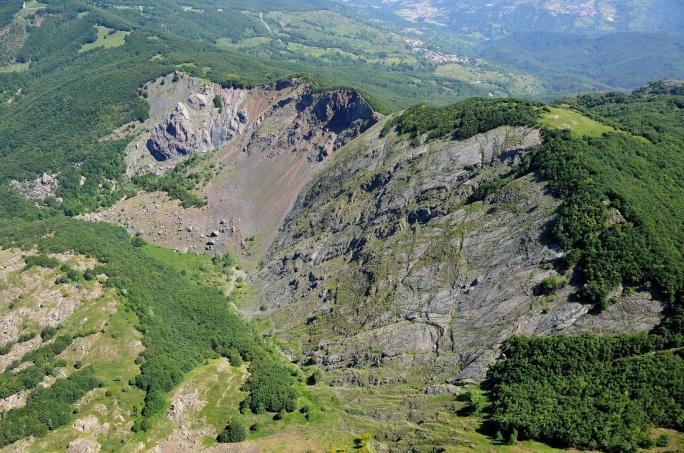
point(579, 125)
point(109, 342)
point(469, 74)
point(211, 396)
point(199, 268)
point(408, 419)
point(245, 43)
point(496, 82)
point(107, 38)
point(29, 8)
point(16, 67)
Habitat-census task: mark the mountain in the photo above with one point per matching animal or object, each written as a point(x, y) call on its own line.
point(569, 45)
point(312, 226)
point(500, 17)
point(572, 62)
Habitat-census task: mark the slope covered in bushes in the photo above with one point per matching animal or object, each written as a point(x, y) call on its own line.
point(464, 119)
point(182, 323)
point(621, 222)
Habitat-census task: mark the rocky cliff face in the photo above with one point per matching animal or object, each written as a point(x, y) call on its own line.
point(205, 121)
point(383, 261)
point(270, 142)
point(314, 124)
point(192, 116)
point(668, 87)
point(373, 255)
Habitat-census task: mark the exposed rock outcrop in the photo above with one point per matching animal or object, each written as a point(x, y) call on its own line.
point(206, 121)
point(383, 259)
point(377, 257)
point(43, 186)
point(668, 87)
point(314, 124)
point(83, 445)
point(206, 116)
point(12, 38)
point(280, 137)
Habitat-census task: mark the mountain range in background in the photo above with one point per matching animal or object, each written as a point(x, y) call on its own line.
point(324, 225)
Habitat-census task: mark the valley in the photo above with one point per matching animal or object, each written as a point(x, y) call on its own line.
point(322, 225)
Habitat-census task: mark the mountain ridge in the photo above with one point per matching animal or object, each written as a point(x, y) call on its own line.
point(211, 236)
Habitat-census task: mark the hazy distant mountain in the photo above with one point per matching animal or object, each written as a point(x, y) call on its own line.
point(498, 17)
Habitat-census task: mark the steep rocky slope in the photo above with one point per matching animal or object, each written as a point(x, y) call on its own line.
point(372, 252)
point(383, 261)
point(268, 142)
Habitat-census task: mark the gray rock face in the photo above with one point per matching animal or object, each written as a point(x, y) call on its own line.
point(669, 87)
point(197, 125)
point(45, 185)
point(315, 124)
point(383, 258)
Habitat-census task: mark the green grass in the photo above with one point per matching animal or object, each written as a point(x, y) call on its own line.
point(30, 7)
point(107, 38)
point(425, 422)
point(16, 67)
point(108, 341)
point(188, 263)
point(112, 353)
point(199, 268)
point(218, 386)
point(218, 392)
point(578, 124)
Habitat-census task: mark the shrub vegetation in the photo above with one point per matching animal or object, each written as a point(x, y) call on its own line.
point(182, 323)
point(233, 432)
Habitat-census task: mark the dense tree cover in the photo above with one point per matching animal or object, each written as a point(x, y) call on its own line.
point(589, 391)
point(270, 387)
point(622, 221)
point(464, 119)
point(8, 9)
point(622, 217)
point(589, 175)
point(203, 22)
point(388, 85)
point(46, 408)
point(41, 261)
point(659, 118)
point(565, 62)
point(570, 63)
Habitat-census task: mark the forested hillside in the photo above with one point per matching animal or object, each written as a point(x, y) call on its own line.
point(315, 225)
point(575, 63)
point(621, 222)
